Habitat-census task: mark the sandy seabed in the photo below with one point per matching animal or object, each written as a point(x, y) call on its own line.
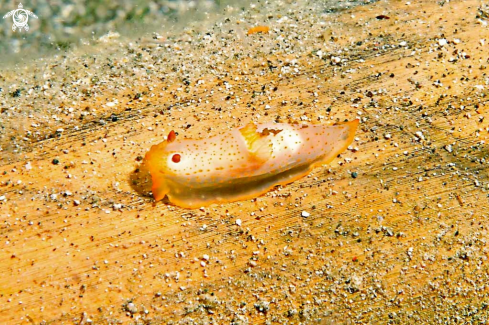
point(395, 229)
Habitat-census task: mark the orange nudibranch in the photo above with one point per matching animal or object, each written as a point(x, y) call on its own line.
point(258, 29)
point(242, 163)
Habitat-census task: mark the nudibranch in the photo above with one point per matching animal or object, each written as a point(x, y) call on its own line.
point(258, 29)
point(242, 163)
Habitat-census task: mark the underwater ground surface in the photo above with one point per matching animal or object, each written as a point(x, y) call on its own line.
point(392, 231)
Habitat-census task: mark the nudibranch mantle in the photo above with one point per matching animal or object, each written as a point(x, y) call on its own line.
point(242, 163)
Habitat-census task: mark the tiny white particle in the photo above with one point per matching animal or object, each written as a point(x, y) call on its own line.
point(305, 214)
point(419, 135)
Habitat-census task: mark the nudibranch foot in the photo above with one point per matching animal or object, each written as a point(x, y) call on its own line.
point(191, 198)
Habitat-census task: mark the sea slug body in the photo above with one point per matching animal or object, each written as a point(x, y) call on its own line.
point(258, 29)
point(242, 163)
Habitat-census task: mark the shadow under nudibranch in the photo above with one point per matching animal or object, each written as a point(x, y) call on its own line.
point(140, 181)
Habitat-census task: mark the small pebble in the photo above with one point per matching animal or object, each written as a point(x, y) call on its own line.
point(305, 214)
point(419, 135)
point(131, 307)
